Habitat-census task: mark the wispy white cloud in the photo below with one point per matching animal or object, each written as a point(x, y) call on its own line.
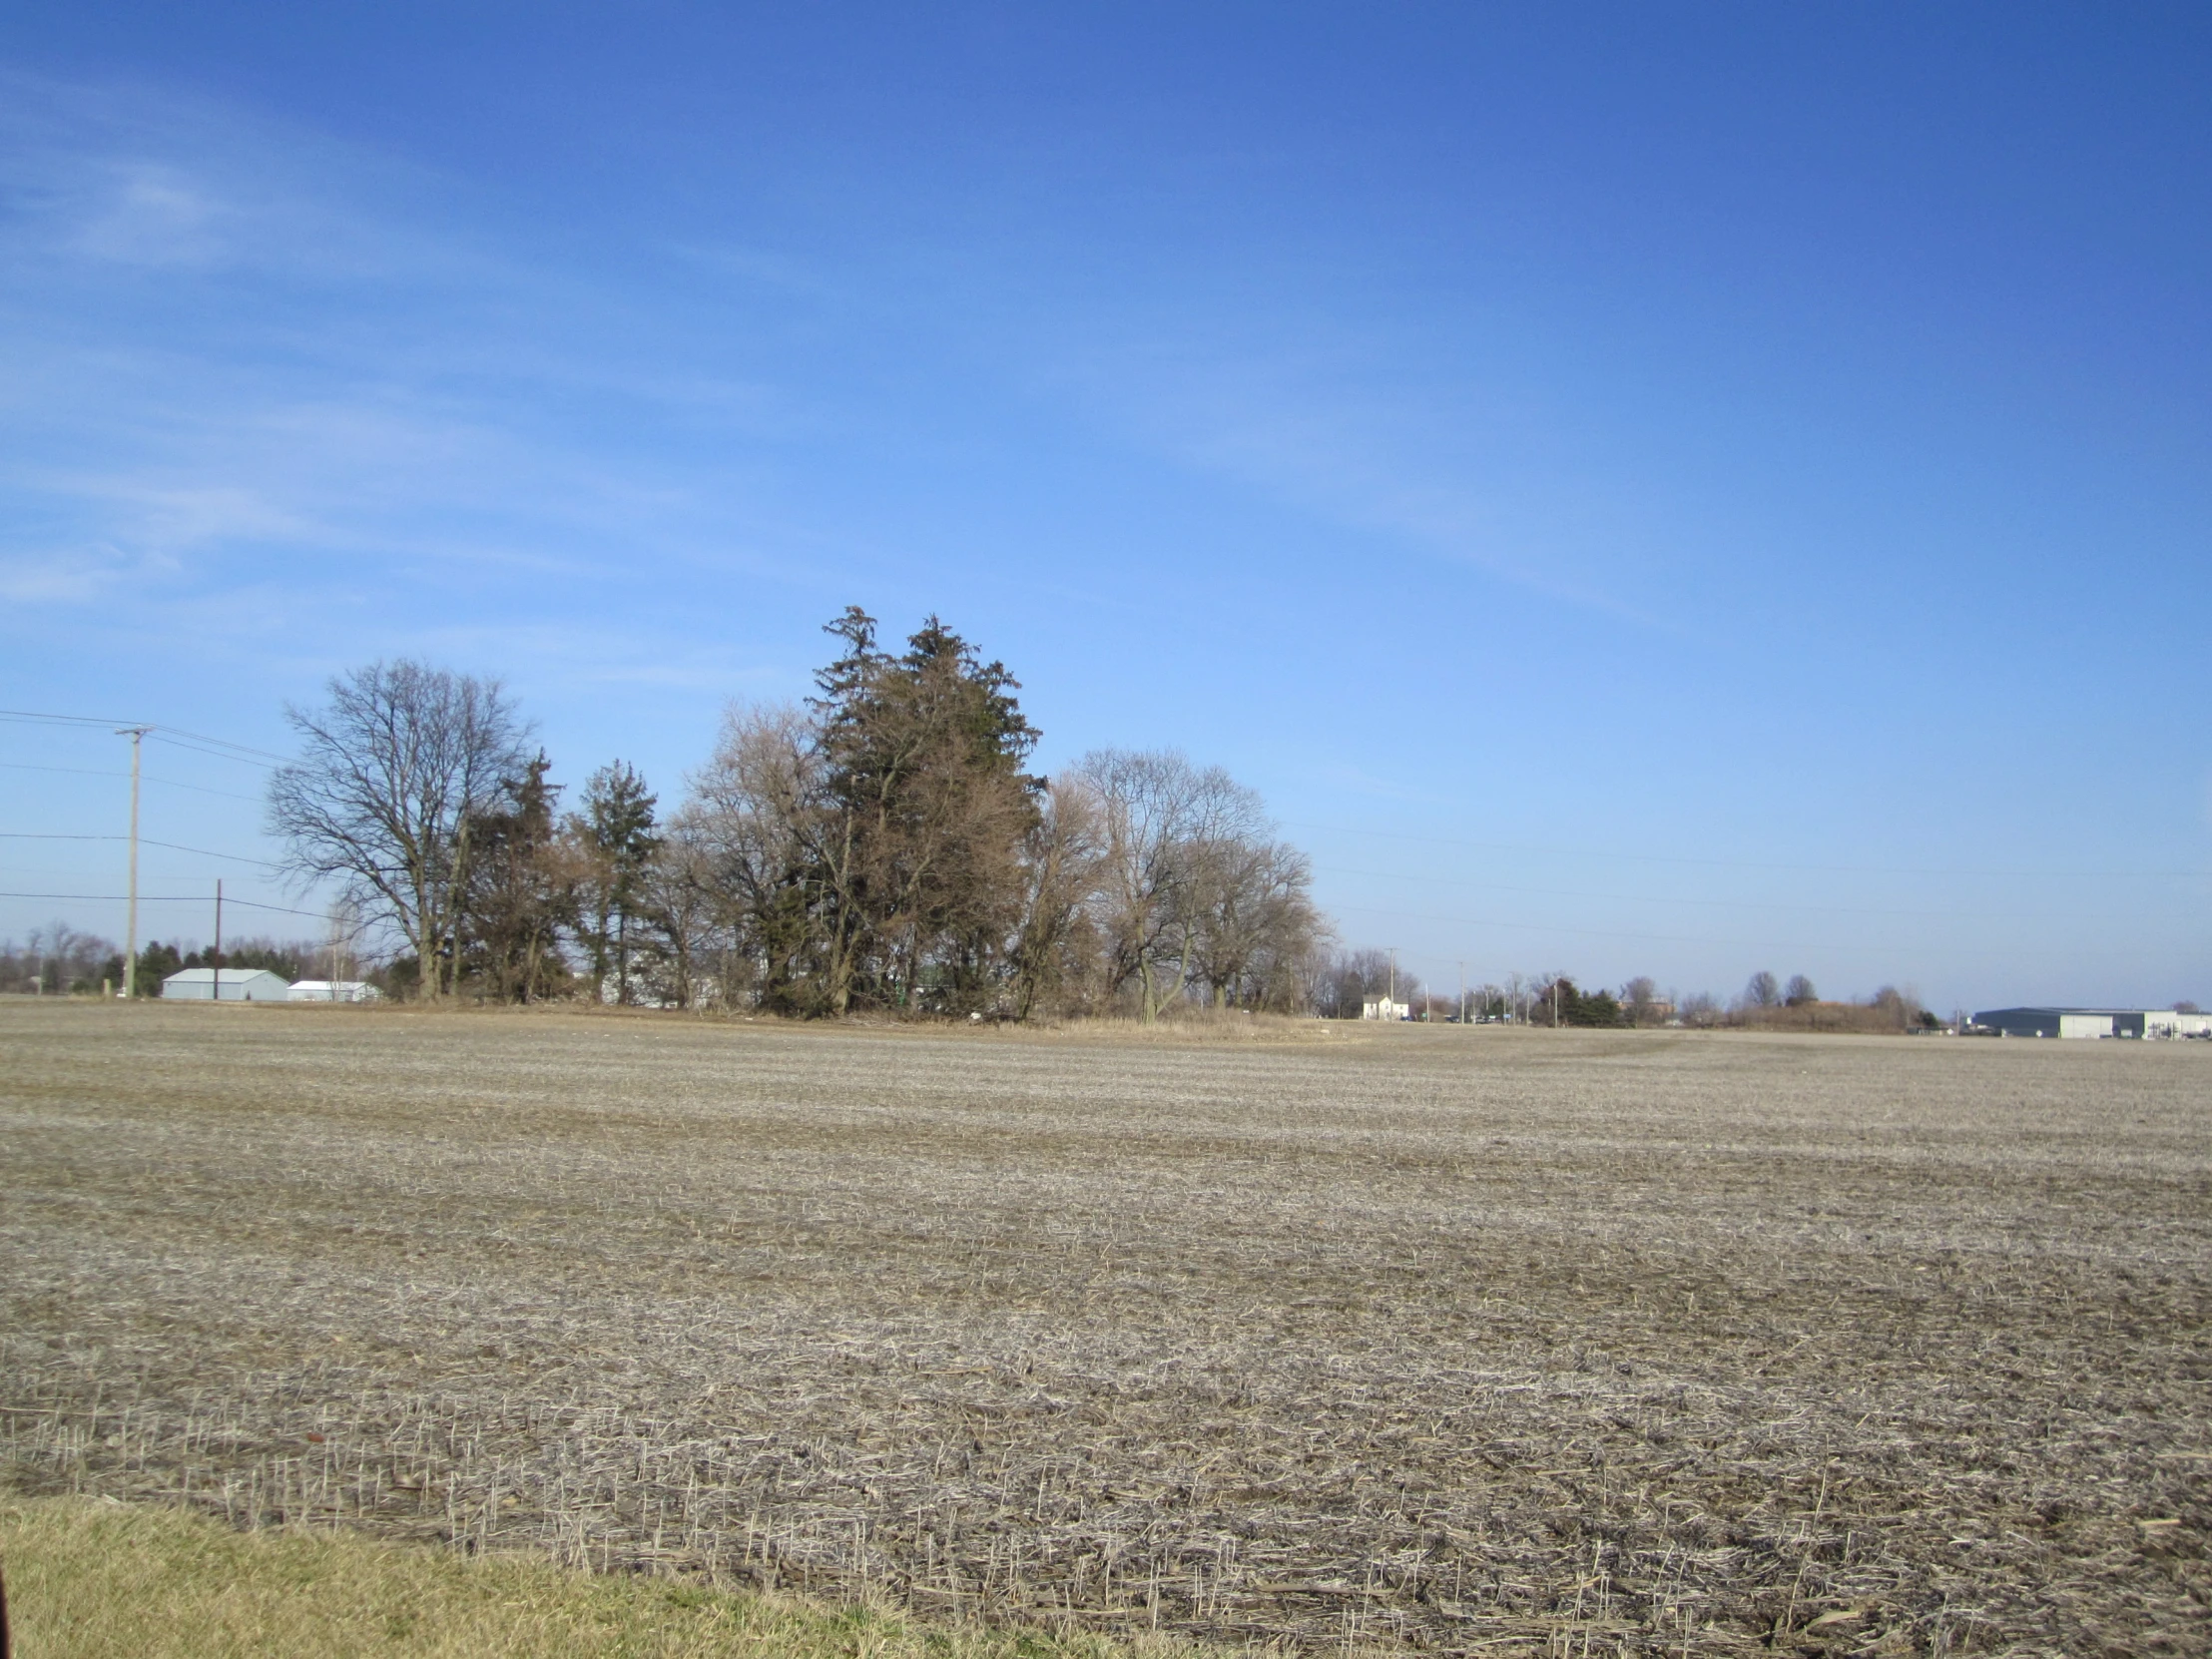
point(63, 575)
point(170, 521)
point(229, 339)
point(152, 214)
point(380, 381)
point(1364, 443)
point(1355, 426)
point(149, 179)
point(262, 397)
point(580, 656)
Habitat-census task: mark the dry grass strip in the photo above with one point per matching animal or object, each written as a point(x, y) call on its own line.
point(90, 1577)
point(1470, 1341)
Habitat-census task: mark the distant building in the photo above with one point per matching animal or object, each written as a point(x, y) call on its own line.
point(234, 985)
point(333, 991)
point(2171, 1023)
point(1384, 1008)
point(2093, 1022)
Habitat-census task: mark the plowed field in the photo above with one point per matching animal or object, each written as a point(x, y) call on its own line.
point(1476, 1341)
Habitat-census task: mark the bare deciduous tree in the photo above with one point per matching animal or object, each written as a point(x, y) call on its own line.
point(394, 771)
point(1640, 998)
point(1899, 1007)
point(1061, 869)
point(683, 921)
point(1159, 814)
point(1253, 917)
point(58, 958)
point(763, 822)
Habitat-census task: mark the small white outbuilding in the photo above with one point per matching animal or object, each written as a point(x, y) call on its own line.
point(226, 985)
point(333, 991)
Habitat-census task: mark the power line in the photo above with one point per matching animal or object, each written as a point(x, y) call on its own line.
point(199, 852)
point(201, 749)
point(172, 782)
point(165, 733)
point(162, 898)
point(61, 720)
point(172, 732)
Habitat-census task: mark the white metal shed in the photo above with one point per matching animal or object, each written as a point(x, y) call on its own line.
point(234, 985)
point(333, 991)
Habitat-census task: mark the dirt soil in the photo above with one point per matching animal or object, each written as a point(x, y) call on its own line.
point(1478, 1340)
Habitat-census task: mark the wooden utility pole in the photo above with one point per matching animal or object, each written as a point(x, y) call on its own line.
point(218, 939)
point(137, 734)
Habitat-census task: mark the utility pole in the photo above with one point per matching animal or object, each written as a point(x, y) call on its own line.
point(218, 939)
point(1393, 979)
point(1462, 993)
point(137, 734)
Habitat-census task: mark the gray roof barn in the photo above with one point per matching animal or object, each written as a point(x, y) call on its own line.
point(234, 985)
point(2093, 1022)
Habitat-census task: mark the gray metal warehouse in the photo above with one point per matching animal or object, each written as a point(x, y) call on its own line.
point(2093, 1022)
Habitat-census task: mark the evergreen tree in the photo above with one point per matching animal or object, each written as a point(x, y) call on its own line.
point(921, 756)
point(1563, 1002)
point(520, 894)
point(156, 964)
point(617, 834)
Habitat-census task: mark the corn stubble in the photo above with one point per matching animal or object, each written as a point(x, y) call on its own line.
point(1474, 1340)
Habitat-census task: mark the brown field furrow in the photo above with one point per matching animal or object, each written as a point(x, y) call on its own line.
point(1481, 1342)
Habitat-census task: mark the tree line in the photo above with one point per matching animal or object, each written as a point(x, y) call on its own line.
point(1553, 998)
point(881, 846)
point(1353, 980)
point(59, 961)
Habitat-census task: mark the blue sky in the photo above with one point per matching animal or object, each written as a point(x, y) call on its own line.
point(1639, 489)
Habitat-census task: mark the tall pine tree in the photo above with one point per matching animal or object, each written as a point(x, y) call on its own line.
point(922, 756)
point(616, 834)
